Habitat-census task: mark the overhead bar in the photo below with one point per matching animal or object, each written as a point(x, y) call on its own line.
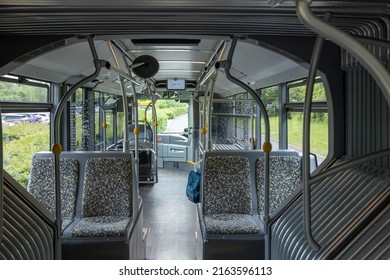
point(121, 73)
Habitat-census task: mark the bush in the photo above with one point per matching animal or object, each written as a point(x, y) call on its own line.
point(21, 142)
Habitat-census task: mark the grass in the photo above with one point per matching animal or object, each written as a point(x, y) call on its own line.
point(318, 133)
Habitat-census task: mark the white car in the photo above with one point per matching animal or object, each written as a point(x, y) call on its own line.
point(44, 117)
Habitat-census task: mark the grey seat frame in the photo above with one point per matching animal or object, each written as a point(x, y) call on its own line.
point(129, 246)
point(231, 246)
point(244, 244)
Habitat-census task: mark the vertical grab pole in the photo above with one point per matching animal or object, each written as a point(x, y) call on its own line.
point(306, 141)
point(267, 146)
point(155, 123)
point(136, 129)
point(57, 148)
point(104, 126)
point(125, 103)
point(209, 144)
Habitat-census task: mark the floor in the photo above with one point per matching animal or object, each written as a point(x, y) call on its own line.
point(170, 218)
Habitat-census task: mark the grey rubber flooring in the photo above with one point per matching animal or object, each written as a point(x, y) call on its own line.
point(170, 218)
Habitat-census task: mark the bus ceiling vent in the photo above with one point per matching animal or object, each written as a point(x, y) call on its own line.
point(145, 66)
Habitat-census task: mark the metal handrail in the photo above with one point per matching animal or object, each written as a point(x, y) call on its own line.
point(306, 141)
point(104, 128)
point(267, 147)
point(122, 75)
point(351, 163)
point(136, 135)
point(56, 148)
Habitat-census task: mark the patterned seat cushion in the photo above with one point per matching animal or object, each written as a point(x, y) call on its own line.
point(66, 222)
point(226, 185)
point(231, 224)
point(107, 187)
point(285, 177)
point(103, 226)
point(142, 146)
point(41, 185)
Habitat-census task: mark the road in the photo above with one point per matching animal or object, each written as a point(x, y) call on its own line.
point(177, 124)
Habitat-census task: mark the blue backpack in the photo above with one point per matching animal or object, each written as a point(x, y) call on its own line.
point(193, 186)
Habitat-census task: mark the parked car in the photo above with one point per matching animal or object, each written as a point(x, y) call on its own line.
point(33, 118)
point(45, 117)
point(14, 118)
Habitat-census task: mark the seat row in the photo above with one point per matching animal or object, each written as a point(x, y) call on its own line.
point(102, 214)
point(231, 209)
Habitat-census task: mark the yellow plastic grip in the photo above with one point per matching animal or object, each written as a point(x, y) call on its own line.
point(104, 125)
point(267, 147)
point(136, 131)
point(56, 149)
point(204, 131)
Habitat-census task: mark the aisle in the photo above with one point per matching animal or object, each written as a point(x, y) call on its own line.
point(170, 217)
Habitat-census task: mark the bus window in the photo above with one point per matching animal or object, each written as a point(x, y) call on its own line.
point(24, 132)
point(271, 99)
point(11, 89)
point(319, 141)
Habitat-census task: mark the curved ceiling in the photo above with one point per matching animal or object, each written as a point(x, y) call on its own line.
point(210, 21)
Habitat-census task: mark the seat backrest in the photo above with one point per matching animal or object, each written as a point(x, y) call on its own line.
point(107, 187)
point(285, 177)
point(41, 184)
point(226, 186)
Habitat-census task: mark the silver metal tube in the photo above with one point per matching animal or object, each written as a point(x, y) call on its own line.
point(373, 41)
point(266, 147)
point(211, 70)
point(104, 129)
point(122, 75)
point(208, 75)
point(346, 41)
point(136, 136)
point(57, 116)
point(306, 142)
point(155, 123)
point(351, 163)
point(209, 144)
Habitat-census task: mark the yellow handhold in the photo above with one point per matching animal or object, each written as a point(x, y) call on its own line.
point(204, 131)
point(155, 124)
point(145, 119)
point(267, 147)
point(136, 131)
point(104, 125)
point(56, 149)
